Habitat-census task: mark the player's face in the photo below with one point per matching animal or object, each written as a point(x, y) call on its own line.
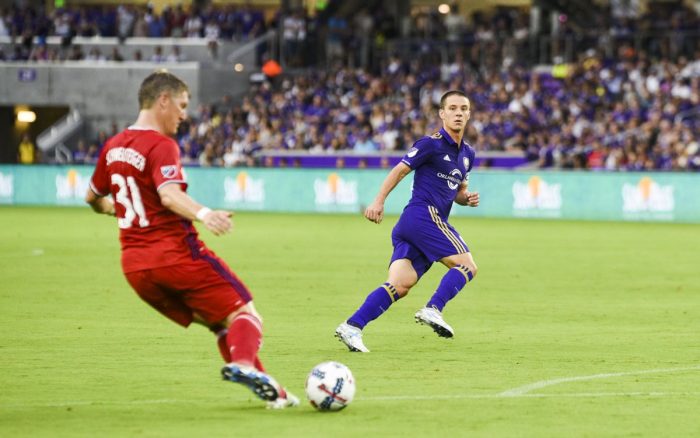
point(455, 113)
point(175, 111)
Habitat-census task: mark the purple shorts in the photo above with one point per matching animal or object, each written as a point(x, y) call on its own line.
point(423, 236)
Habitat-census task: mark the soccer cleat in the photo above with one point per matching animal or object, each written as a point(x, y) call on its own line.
point(262, 385)
point(432, 317)
point(351, 336)
point(286, 400)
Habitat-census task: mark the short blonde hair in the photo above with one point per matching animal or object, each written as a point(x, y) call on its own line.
point(159, 82)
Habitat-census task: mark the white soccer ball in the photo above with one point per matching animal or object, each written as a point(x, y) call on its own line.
point(330, 386)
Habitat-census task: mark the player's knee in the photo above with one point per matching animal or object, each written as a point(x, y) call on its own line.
point(248, 308)
point(473, 269)
point(468, 263)
point(403, 286)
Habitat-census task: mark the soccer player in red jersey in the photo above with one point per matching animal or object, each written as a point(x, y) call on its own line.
point(162, 256)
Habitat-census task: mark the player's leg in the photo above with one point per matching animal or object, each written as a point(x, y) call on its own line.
point(462, 269)
point(214, 296)
point(441, 242)
point(402, 276)
point(163, 299)
point(221, 333)
point(244, 338)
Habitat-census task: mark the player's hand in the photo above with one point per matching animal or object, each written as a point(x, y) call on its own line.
point(472, 199)
point(375, 212)
point(218, 222)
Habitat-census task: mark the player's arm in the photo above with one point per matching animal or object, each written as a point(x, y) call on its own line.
point(465, 197)
point(100, 204)
point(375, 210)
point(176, 200)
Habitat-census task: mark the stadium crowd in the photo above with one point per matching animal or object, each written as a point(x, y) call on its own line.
point(29, 28)
point(615, 107)
point(601, 114)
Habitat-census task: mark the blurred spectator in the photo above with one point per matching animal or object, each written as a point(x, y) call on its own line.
point(175, 55)
point(193, 26)
point(294, 37)
point(95, 55)
point(80, 152)
point(116, 55)
point(158, 55)
point(4, 24)
point(27, 152)
point(92, 154)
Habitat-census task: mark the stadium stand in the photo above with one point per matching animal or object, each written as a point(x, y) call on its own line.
point(607, 86)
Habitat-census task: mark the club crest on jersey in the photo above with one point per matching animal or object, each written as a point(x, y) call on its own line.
point(412, 153)
point(168, 171)
point(466, 162)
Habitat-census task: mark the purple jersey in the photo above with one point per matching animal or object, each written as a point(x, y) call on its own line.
point(441, 166)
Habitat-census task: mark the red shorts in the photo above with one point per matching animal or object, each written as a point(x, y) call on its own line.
point(205, 286)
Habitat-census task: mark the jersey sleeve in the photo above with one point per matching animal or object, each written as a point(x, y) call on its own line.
point(100, 182)
point(472, 159)
point(419, 153)
point(468, 162)
point(165, 165)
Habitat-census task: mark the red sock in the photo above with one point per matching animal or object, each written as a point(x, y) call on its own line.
point(243, 339)
point(258, 365)
point(223, 346)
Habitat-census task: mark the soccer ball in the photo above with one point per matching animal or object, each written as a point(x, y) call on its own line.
point(330, 386)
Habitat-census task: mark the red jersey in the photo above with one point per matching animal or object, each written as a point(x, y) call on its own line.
point(132, 166)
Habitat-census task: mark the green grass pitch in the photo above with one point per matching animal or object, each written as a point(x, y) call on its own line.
point(570, 329)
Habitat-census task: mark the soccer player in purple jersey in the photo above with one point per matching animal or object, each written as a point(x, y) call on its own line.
point(422, 235)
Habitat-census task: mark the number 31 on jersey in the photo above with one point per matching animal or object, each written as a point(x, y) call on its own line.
point(129, 197)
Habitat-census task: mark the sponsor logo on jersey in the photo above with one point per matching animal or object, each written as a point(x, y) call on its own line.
point(7, 188)
point(453, 179)
point(168, 171)
point(335, 191)
point(244, 189)
point(649, 199)
point(446, 158)
point(537, 198)
point(71, 186)
point(466, 163)
point(412, 153)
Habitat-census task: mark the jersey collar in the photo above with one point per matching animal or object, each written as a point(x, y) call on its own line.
point(447, 137)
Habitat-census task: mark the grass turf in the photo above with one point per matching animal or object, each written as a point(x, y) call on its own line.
point(614, 306)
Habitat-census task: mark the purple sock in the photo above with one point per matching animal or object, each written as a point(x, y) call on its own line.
point(375, 304)
point(450, 285)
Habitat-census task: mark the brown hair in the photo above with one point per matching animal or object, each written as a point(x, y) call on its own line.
point(159, 82)
point(444, 97)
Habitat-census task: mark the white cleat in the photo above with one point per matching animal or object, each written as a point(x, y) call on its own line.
point(351, 336)
point(432, 317)
point(288, 401)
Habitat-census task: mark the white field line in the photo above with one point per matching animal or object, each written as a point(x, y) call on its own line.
point(523, 390)
point(520, 392)
point(557, 395)
point(165, 401)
